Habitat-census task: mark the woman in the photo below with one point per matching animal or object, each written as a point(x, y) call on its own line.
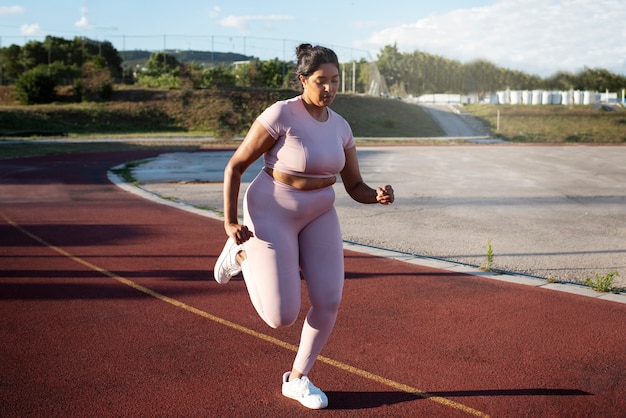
point(290, 225)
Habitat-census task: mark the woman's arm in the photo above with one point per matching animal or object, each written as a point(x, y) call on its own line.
point(255, 144)
point(356, 187)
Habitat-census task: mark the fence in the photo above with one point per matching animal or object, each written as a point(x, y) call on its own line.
point(262, 48)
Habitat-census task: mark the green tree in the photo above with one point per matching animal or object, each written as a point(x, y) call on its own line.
point(272, 74)
point(420, 73)
point(12, 64)
point(57, 52)
point(34, 53)
point(161, 63)
point(217, 76)
point(482, 76)
point(560, 81)
point(599, 79)
point(390, 63)
point(63, 75)
point(363, 78)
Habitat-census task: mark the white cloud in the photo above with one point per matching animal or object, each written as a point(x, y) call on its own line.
point(242, 22)
point(215, 12)
point(83, 22)
point(537, 36)
point(31, 30)
point(11, 10)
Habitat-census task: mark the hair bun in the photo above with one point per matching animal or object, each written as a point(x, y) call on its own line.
point(303, 49)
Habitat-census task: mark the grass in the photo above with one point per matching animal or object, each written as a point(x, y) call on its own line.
point(126, 172)
point(602, 283)
point(225, 114)
point(553, 124)
point(384, 118)
point(488, 266)
point(139, 111)
point(222, 114)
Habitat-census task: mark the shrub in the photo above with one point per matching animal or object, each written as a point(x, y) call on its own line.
point(95, 84)
point(228, 124)
point(163, 81)
point(35, 87)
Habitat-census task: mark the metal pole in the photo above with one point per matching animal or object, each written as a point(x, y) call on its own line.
point(124, 65)
point(353, 76)
point(0, 60)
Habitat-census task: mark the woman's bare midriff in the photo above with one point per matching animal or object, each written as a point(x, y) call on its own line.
point(299, 182)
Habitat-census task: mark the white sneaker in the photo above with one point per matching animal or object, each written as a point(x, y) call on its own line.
point(227, 266)
point(305, 392)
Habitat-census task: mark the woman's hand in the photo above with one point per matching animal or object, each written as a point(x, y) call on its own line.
point(384, 195)
point(239, 233)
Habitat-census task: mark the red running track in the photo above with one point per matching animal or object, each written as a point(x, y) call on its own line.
point(108, 309)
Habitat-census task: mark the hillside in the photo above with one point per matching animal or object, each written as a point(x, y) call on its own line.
point(138, 58)
point(222, 113)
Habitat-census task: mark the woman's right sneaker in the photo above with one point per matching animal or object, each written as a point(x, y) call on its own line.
point(227, 266)
point(305, 392)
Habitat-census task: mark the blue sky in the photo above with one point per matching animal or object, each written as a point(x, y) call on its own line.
point(535, 36)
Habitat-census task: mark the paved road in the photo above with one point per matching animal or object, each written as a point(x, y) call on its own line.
point(455, 122)
point(549, 211)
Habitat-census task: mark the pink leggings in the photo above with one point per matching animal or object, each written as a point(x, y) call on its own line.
point(294, 231)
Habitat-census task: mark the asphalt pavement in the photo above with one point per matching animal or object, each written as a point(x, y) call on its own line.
point(556, 213)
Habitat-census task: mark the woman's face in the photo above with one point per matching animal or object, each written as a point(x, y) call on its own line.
point(321, 86)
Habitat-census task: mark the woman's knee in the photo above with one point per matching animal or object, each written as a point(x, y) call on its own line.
point(332, 304)
point(280, 318)
point(329, 303)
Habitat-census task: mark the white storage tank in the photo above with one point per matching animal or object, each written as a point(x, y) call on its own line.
point(537, 94)
point(579, 97)
point(515, 97)
point(566, 97)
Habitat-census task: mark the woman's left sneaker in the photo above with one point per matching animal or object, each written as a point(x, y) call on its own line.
point(305, 392)
point(227, 266)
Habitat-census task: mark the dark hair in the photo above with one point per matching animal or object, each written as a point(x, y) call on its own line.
point(310, 58)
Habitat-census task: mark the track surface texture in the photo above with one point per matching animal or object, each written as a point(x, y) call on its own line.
point(108, 309)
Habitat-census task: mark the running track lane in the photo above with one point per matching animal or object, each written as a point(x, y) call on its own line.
point(108, 309)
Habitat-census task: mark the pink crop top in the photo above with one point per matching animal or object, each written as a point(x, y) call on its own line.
point(304, 146)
